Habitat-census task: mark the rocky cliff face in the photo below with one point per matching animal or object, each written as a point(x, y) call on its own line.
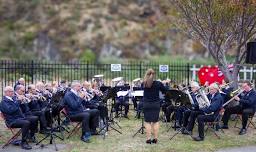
point(63, 29)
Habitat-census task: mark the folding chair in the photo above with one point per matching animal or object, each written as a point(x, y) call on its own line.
point(250, 121)
point(215, 125)
point(15, 134)
point(76, 125)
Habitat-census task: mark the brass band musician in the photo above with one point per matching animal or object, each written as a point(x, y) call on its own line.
point(246, 107)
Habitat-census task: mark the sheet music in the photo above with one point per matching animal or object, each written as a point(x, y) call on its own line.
point(138, 93)
point(122, 93)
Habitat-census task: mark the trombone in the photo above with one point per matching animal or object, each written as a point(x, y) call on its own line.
point(237, 92)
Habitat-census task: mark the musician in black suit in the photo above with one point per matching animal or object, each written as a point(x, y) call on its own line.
point(24, 105)
point(21, 81)
point(246, 107)
point(151, 104)
point(207, 114)
point(77, 112)
point(16, 119)
point(194, 92)
point(122, 101)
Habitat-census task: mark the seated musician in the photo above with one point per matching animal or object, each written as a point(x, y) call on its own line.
point(77, 112)
point(21, 81)
point(93, 99)
point(246, 107)
point(206, 114)
point(24, 105)
point(194, 92)
point(122, 100)
point(226, 90)
point(16, 119)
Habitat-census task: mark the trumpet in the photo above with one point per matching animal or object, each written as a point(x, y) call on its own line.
point(23, 99)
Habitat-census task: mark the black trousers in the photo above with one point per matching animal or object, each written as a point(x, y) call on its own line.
point(27, 125)
point(42, 119)
point(186, 115)
point(193, 116)
point(83, 117)
point(168, 109)
point(94, 118)
point(246, 112)
point(201, 119)
point(122, 102)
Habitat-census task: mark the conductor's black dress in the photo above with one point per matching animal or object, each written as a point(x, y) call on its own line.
point(151, 101)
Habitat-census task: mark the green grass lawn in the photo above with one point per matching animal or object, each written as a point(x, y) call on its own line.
point(115, 142)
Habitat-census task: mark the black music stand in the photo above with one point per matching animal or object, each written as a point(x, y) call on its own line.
point(142, 127)
point(177, 97)
point(110, 94)
point(125, 87)
point(51, 135)
point(183, 99)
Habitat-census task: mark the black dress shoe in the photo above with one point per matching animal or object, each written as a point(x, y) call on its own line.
point(26, 146)
point(224, 127)
point(148, 141)
point(198, 138)
point(86, 140)
point(154, 141)
point(242, 132)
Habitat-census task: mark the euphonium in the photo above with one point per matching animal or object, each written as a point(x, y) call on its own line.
point(189, 96)
point(202, 99)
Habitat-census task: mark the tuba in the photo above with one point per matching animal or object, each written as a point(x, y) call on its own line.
point(202, 99)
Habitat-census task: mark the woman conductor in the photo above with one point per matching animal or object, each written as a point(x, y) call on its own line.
point(151, 104)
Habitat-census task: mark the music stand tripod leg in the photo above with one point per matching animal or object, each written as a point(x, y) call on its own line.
point(179, 131)
point(141, 129)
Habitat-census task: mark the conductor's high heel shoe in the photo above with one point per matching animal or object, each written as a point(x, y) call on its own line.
point(148, 141)
point(154, 141)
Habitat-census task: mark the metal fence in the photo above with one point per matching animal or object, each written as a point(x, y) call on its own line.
point(33, 71)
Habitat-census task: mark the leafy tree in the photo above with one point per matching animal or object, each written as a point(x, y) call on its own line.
point(220, 25)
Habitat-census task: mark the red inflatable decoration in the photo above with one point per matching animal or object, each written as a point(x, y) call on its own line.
point(210, 74)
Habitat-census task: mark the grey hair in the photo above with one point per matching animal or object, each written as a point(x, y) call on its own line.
point(8, 88)
point(74, 83)
point(18, 87)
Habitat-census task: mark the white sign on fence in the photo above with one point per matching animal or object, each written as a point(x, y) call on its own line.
point(163, 68)
point(116, 67)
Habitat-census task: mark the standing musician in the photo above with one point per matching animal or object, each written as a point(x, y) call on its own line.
point(246, 107)
point(16, 119)
point(151, 104)
point(76, 111)
point(206, 114)
point(24, 105)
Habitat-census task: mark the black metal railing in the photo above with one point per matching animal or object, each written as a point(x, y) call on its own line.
point(33, 71)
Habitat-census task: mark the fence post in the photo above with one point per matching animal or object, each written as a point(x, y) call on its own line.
point(188, 71)
point(87, 70)
point(140, 69)
point(32, 71)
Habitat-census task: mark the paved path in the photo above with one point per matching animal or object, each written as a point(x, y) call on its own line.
point(47, 148)
point(239, 149)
